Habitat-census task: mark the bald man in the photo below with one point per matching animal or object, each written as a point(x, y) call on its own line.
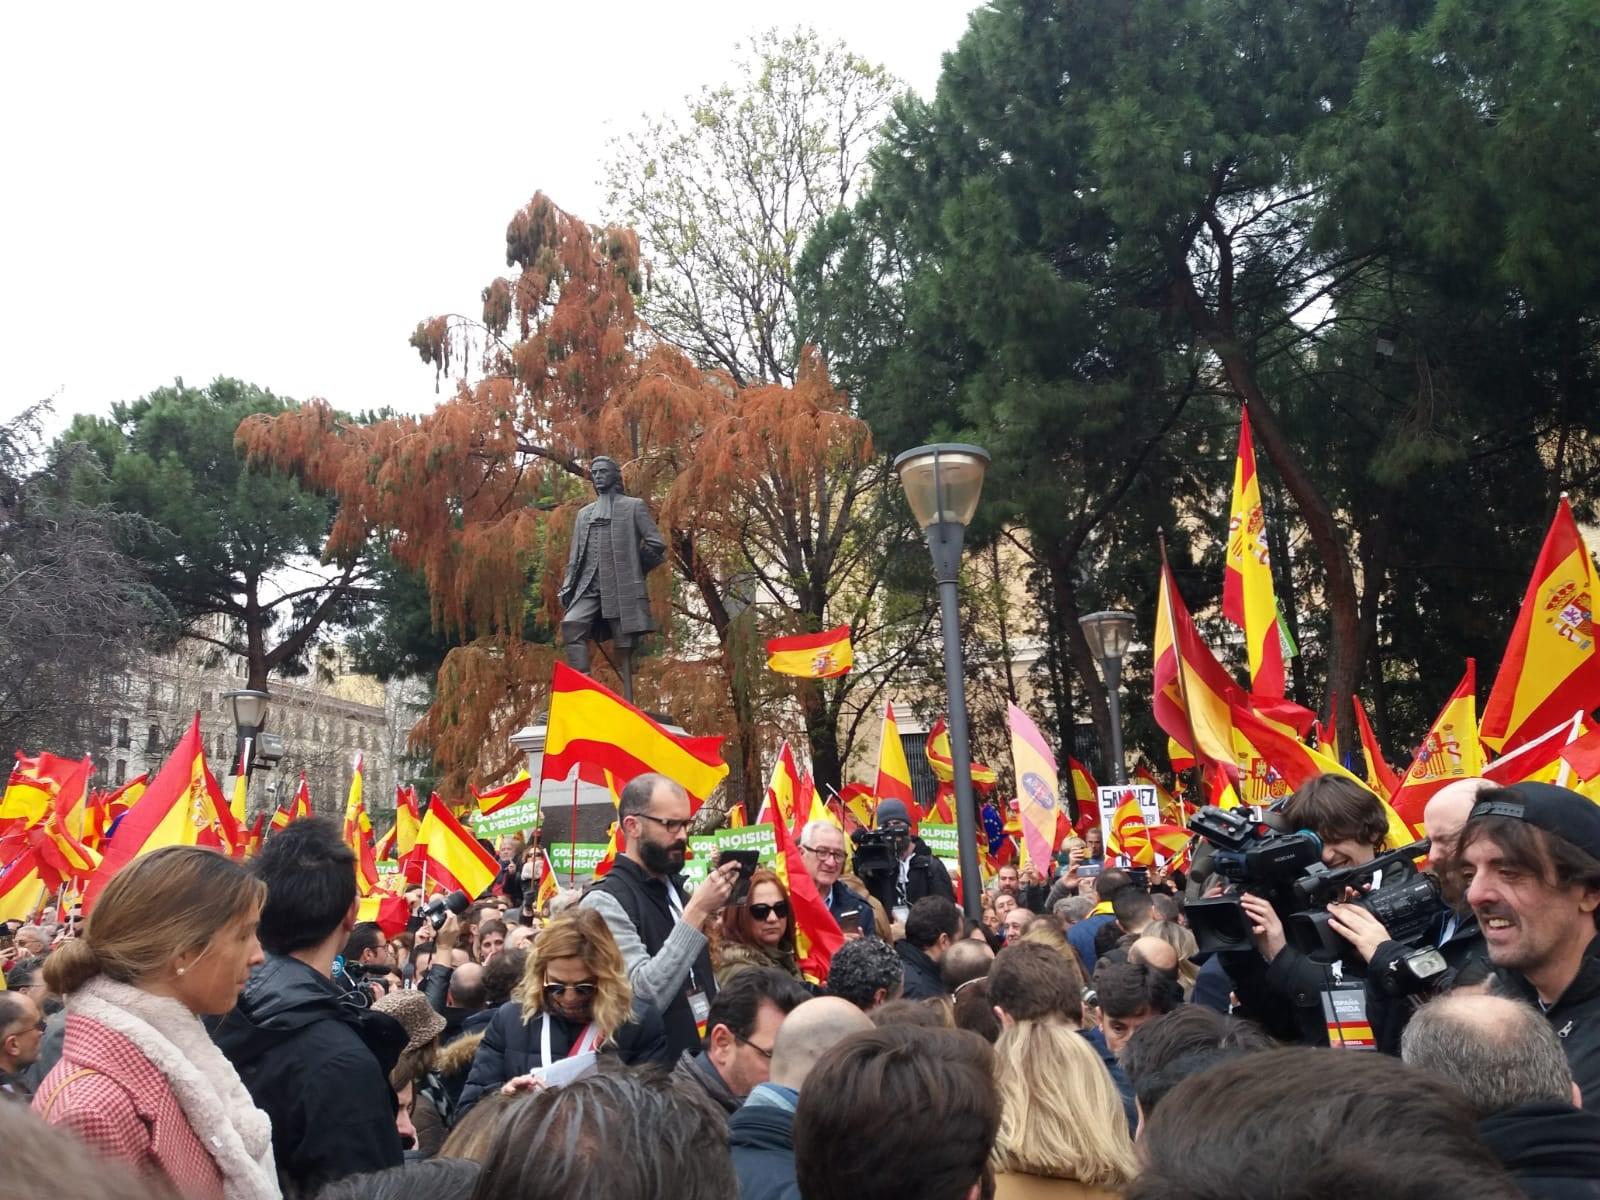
point(1155, 954)
point(1444, 815)
point(761, 1133)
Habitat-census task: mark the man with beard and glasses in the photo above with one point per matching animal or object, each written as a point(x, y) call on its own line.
point(659, 930)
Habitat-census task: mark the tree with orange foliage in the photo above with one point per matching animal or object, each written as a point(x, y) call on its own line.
point(756, 489)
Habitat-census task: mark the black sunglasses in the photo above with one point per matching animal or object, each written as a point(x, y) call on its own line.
point(762, 911)
point(554, 991)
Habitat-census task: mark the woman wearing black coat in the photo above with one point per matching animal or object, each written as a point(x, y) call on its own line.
point(574, 997)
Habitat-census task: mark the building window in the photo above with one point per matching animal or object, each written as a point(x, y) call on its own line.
point(124, 736)
point(152, 739)
point(121, 777)
point(205, 698)
point(153, 694)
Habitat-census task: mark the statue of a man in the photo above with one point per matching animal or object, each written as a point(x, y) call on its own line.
point(615, 545)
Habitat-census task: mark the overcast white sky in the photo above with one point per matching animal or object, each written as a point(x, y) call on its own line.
point(280, 192)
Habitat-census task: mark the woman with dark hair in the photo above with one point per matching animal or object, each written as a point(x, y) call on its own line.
point(574, 997)
point(757, 934)
point(172, 939)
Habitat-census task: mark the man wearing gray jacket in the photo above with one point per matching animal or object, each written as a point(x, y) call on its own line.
point(660, 932)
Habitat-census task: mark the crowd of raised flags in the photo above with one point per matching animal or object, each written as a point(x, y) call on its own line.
point(59, 839)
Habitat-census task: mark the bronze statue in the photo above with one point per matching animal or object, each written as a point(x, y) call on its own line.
point(615, 545)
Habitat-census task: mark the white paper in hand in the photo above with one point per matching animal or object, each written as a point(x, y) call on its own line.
point(565, 1071)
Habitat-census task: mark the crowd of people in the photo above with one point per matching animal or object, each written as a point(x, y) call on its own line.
point(232, 1031)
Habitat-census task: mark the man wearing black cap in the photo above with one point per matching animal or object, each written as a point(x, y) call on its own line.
point(1531, 855)
point(908, 873)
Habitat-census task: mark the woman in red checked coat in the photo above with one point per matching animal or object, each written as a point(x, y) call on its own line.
point(171, 939)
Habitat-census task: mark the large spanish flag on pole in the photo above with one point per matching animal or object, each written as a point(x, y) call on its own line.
point(1038, 787)
point(1450, 751)
point(1551, 667)
point(825, 655)
point(785, 793)
point(596, 730)
point(1194, 695)
point(817, 935)
point(1248, 599)
point(894, 773)
point(183, 806)
point(455, 860)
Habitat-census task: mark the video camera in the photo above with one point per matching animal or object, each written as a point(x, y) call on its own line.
point(878, 850)
point(1285, 868)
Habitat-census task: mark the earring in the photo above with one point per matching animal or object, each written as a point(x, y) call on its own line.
point(181, 970)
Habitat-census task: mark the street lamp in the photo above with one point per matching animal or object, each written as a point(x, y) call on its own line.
point(942, 484)
point(249, 714)
point(1109, 634)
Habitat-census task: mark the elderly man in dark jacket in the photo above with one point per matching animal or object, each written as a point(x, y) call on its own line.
point(761, 1132)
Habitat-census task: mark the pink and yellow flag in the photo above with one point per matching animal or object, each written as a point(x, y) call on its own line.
point(1038, 786)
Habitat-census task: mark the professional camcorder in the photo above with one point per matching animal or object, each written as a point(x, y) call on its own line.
point(1285, 868)
point(879, 850)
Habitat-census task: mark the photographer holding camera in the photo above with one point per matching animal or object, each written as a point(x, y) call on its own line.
point(897, 866)
point(1293, 993)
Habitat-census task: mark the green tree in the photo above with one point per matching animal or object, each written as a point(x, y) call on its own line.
point(235, 549)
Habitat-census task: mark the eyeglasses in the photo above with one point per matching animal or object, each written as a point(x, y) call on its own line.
point(670, 824)
point(824, 855)
point(767, 1054)
point(554, 991)
point(762, 911)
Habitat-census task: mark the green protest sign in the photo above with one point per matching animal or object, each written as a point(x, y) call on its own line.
point(573, 863)
point(517, 818)
point(944, 841)
point(750, 837)
point(702, 849)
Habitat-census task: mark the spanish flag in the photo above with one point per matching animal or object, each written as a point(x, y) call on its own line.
point(817, 935)
point(183, 806)
point(505, 795)
point(596, 730)
point(1551, 667)
point(1085, 792)
point(1538, 761)
point(1038, 787)
point(941, 760)
point(1450, 751)
point(1194, 695)
point(825, 655)
point(241, 794)
point(547, 884)
point(1247, 594)
point(455, 860)
point(894, 773)
point(1380, 775)
point(301, 807)
point(21, 889)
point(1298, 764)
point(857, 800)
point(786, 803)
point(358, 832)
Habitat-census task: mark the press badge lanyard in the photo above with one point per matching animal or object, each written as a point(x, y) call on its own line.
point(699, 1006)
point(588, 1040)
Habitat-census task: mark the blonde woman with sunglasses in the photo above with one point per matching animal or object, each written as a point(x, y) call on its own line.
point(574, 998)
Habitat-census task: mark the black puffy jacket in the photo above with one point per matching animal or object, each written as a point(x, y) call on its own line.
point(319, 1067)
point(1575, 1016)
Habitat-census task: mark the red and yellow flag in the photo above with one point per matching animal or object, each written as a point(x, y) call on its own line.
point(894, 773)
point(816, 934)
point(824, 655)
point(358, 832)
point(1450, 751)
point(1539, 760)
point(595, 730)
point(21, 889)
point(1194, 695)
point(183, 806)
point(1085, 792)
point(943, 764)
point(547, 884)
point(455, 860)
point(1299, 764)
point(782, 805)
point(1551, 667)
point(1381, 777)
point(1247, 594)
point(505, 795)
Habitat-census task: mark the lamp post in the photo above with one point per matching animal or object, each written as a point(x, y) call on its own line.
point(1109, 634)
point(942, 484)
point(249, 714)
